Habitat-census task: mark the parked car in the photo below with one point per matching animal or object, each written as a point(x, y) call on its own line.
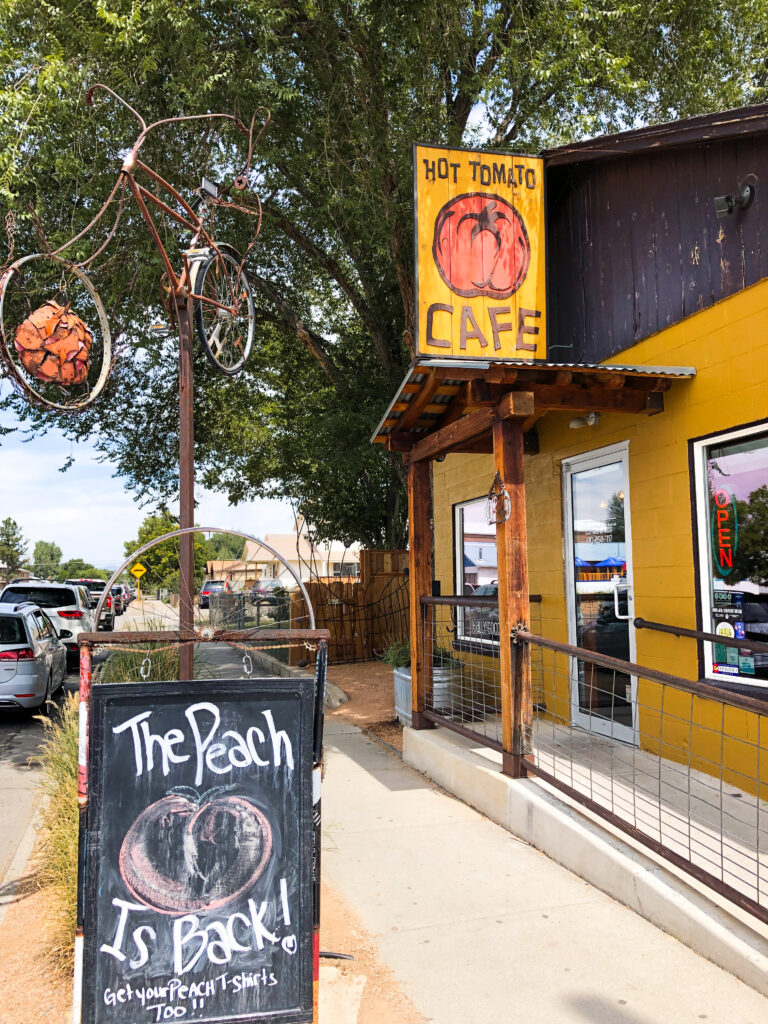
point(95, 588)
point(33, 658)
point(211, 587)
point(482, 623)
point(756, 628)
point(118, 600)
point(67, 605)
point(267, 592)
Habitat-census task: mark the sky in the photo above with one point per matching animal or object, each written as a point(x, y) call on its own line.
point(88, 512)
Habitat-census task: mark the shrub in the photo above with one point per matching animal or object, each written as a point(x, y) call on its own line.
point(59, 827)
point(398, 654)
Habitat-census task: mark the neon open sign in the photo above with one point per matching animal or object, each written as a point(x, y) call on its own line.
point(725, 530)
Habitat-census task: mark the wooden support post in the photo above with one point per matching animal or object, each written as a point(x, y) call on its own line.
point(420, 584)
point(512, 556)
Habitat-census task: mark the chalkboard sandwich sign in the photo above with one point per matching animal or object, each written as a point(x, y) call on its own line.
point(198, 866)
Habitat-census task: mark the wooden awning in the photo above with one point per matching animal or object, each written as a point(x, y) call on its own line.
point(451, 405)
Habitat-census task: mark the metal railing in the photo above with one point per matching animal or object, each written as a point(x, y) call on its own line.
point(681, 766)
point(460, 638)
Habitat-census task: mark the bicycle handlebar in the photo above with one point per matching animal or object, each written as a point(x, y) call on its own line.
point(241, 182)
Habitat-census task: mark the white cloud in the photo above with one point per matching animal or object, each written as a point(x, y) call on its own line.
point(88, 513)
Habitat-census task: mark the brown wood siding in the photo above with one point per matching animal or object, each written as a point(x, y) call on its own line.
point(633, 243)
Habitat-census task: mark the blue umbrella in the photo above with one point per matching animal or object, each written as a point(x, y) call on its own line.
point(610, 563)
point(582, 563)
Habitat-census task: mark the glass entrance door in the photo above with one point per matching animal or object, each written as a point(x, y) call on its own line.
point(599, 585)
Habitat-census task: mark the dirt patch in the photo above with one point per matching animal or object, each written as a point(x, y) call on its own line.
point(371, 705)
point(342, 932)
point(32, 989)
point(25, 933)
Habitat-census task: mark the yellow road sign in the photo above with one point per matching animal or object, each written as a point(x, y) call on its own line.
point(138, 570)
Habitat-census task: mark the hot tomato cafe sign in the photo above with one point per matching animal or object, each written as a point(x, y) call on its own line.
point(479, 254)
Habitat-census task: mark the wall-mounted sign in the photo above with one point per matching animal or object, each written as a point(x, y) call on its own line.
point(479, 254)
point(725, 531)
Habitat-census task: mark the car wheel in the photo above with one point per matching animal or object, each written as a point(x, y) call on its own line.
point(44, 708)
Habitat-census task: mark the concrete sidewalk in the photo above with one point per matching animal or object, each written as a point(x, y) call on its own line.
point(478, 926)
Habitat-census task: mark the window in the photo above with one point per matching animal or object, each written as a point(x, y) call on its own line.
point(732, 517)
point(43, 597)
point(476, 570)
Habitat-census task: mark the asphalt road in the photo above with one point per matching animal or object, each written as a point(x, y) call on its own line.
point(21, 735)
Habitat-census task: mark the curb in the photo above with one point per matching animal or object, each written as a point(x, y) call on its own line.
point(535, 814)
point(334, 695)
point(20, 859)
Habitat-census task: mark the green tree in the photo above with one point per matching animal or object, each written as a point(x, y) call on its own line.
point(225, 546)
point(162, 561)
point(78, 569)
point(614, 517)
point(350, 85)
point(46, 558)
point(13, 547)
point(750, 559)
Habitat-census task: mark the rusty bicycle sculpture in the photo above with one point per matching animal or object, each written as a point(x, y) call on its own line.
point(55, 338)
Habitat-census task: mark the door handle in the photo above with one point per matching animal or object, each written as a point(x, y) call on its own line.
point(616, 588)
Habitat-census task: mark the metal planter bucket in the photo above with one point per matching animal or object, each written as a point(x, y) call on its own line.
point(444, 681)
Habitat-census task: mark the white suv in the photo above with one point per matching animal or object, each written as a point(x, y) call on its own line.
point(67, 605)
point(33, 661)
point(95, 588)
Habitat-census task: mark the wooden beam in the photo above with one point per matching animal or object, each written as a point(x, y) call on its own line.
point(514, 608)
point(401, 441)
point(420, 585)
point(611, 381)
point(570, 398)
point(420, 401)
point(515, 404)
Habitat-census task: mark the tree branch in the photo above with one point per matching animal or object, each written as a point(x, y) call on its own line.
point(324, 259)
point(314, 343)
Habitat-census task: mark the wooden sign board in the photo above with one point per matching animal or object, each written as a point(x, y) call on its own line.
point(480, 270)
point(198, 878)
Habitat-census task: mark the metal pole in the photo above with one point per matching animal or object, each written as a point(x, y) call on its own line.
point(186, 486)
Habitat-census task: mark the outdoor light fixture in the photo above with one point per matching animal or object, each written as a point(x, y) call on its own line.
point(726, 205)
point(590, 419)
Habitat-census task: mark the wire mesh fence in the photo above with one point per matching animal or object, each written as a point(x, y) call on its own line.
point(681, 766)
point(460, 639)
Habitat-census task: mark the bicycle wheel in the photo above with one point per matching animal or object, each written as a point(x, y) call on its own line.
point(227, 338)
point(54, 333)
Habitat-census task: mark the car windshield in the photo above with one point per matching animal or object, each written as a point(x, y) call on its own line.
point(217, 585)
point(12, 630)
point(44, 597)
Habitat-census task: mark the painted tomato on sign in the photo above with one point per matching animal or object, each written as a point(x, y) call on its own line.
point(481, 246)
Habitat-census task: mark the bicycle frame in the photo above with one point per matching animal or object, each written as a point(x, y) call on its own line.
point(180, 285)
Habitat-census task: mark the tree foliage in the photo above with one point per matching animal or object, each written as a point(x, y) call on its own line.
point(46, 558)
point(13, 547)
point(351, 85)
point(162, 560)
point(225, 546)
point(79, 569)
point(750, 558)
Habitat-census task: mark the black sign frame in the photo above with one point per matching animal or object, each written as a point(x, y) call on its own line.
point(291, 699)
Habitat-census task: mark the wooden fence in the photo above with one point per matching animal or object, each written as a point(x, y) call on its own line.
point(365, 616)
